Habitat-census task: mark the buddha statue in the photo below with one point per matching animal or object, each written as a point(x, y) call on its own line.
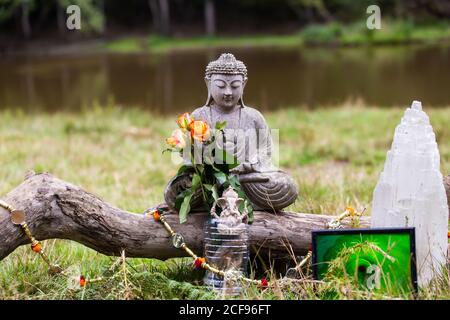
point(246, 136)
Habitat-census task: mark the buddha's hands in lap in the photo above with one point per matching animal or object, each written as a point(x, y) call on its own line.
point(243, 168)
point(250, 173)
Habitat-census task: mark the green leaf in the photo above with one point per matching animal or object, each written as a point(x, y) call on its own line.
point(215, 192)
point(200, 168)
point(185, 208)
point(196, 180)
point(232, 166)
point(208, 159)
point(221, 177)
point(208, 153)
point(223, 157)
point(234, 163)
point(220, 125)
point(180, 197)
point(218, 167)
point(234, 181)
point(184, 168)
point(250, 211)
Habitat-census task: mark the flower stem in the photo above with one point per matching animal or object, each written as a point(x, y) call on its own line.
point(201, 182)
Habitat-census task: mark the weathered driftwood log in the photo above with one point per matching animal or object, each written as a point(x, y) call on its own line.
point(57, 209)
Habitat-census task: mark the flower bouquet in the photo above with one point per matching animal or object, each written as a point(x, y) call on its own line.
point(209, 164)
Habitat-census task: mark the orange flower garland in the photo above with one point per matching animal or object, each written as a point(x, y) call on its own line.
point(82, 281)
point(264, 283)
point(156, 215)
point(37, 247)
point(199, 262)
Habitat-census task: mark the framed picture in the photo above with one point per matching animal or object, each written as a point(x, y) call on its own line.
point(376, 259)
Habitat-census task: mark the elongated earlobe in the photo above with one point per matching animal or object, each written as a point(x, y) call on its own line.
point(209, 100)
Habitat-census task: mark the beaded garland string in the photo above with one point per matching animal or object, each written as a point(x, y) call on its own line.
point(333, 224)
point(200, 262)
point(18, 218)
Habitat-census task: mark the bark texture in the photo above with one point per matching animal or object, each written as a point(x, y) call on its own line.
point(57, 209)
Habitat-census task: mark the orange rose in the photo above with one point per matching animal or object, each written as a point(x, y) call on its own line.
point(200, 130)
point(184, 121)
point(177, 139)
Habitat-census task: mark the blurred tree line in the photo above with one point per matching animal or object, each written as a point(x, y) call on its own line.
point(29, 18)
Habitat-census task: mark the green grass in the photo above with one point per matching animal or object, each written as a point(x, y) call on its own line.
point(391, 32)
point(158, 44)
point(335, 155)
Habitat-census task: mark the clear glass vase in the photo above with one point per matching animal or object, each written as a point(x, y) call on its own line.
point(227, 250)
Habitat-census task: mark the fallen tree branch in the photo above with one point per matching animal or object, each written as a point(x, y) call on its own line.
point(57, 209)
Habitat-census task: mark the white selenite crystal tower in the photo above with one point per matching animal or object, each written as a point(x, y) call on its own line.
point(411, 193)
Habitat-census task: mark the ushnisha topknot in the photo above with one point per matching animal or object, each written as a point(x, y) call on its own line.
point(226, 64)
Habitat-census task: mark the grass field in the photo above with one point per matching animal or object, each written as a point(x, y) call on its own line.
point(335, 155)
point(332, 34)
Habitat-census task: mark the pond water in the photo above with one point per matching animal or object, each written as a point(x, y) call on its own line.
point(173, 83)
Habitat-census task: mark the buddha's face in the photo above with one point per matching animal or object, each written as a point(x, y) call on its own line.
point(226, 90)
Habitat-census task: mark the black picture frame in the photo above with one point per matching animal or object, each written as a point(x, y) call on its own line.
point(410, 231)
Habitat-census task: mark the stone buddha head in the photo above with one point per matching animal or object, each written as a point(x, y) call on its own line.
point(225, 79)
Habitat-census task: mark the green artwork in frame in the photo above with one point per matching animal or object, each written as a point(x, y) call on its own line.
point(374, 259)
